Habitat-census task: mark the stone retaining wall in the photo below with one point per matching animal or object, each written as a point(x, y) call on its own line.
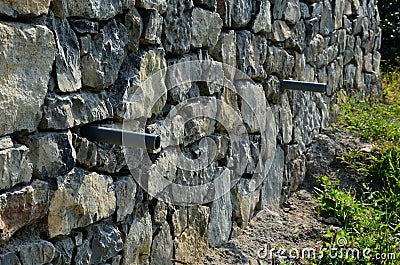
point(64, 64)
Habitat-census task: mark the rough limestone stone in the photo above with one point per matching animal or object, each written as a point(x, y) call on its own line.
point(251, 53)
point(25, 8)
point(24, 87)
point(128, 95)
point(104, 57)
point(68, 60)
point(162, 246)
point(134, 25)
point(285, 119)
point(280, 31)
point(220, 225)
point(81, 198)
point(272, 185)
point(206, 27)
point(84, 26)
point(207, 4)
point(244, 199)
point(125, 191)
point(272, 88)
point(99, 156)
point(39, 252)
point(95, 9)
point(225, 49)
point(177, 26)
point(288, 10)
point(279, 62)
point(327, 24)
point(137, 247)
point(23, 206)
point(152, 27)
point(105, 242)
point(63, 251)
point(15, 165)
point(52, 154)
point(159, 5)
point(262, 22)
point(235, 13)
point(83, 253)
point(9, 258)
point(194, 238)
point(63, 112)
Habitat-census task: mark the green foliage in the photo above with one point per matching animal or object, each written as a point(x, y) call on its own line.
point(370, 220)
point(389, 11)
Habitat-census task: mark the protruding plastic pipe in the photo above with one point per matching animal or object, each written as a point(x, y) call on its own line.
point(304, 86)
point(114, 136)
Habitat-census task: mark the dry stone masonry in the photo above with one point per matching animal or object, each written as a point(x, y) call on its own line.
point(64, 64)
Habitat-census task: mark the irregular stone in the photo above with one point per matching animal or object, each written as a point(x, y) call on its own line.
point(194, 238)
point(137, 247)
point(83, 253)
point(225, 49)
point(206, 27)
point(285, 118)
point(220, 225)
point(28, 8)
point(349, 75)
point(305, 12)
point(315, 50)
point(63, 112)
point(162, 246)
point(99, 156)
point(288, 10)
point(279, 62)
point(38, 252)
point(262, 22)
point(9, 258)
point(125, 191)
point(22, 206)
point(63, 251)
point(95, 9)
point(160, 213)
point(81, 198)
point(376, 60)
point(208, 4)
point(270, 196)
point(244, 197)
point(152, 27)
point(235, 13)
point(300, 66)
point(280, 31)
point(272, 88)
point(339, 12)
point(105, 242)
point(327, 24)
point(15, 165)
point(298, 172)
point(6, 142)
point(306, 118)
point(312, 28)
point(177, 26)
point(134, 25)
point(52, 154)
point(84, 26)
point(140, 91)
point(68, 60)
point(24, 88)
point(253, 108)
point(159, 5)
point(101, 65)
